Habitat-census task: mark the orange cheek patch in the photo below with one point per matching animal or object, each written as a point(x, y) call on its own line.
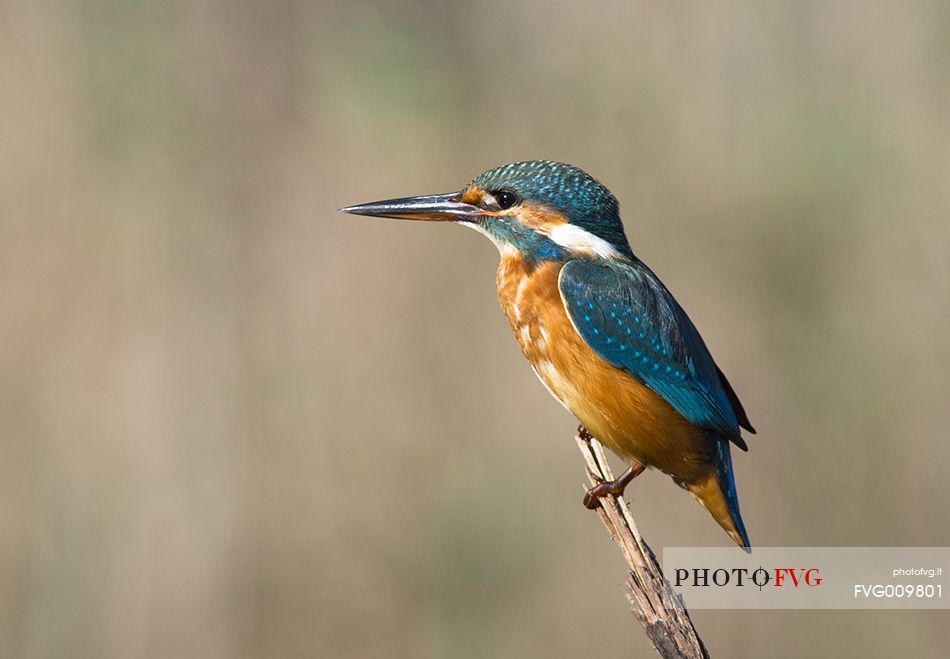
point(537, 218)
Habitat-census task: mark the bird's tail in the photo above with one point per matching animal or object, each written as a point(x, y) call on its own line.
point(716, 491)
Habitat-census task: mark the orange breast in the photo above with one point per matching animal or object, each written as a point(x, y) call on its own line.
point(628, 417)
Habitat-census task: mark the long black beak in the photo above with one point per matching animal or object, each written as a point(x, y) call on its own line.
point(445, 207)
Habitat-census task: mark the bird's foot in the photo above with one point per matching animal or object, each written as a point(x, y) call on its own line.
point(615, 487)
point(584, 434)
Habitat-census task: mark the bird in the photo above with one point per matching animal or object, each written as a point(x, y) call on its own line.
point(603, 334)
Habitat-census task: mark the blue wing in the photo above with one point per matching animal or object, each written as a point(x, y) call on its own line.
point(629, 318)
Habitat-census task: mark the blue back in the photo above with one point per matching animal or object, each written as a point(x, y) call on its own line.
point(629, 318)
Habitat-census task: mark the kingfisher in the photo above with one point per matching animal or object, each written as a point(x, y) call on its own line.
point(603, 334)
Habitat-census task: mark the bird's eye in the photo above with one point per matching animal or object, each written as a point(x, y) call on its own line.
point(505, 198)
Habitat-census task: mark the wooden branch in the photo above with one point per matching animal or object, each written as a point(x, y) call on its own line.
point(661, 612)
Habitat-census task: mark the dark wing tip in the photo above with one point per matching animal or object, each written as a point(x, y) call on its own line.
point(737, 408)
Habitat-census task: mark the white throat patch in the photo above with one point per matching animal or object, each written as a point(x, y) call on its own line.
point(576, 239)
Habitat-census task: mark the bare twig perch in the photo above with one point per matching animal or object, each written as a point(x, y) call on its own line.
point(662, 614)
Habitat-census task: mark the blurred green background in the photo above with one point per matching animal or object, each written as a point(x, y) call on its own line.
point(237, 423)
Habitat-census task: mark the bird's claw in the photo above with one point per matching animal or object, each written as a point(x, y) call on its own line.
point(615, 487)
point(602, 488)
